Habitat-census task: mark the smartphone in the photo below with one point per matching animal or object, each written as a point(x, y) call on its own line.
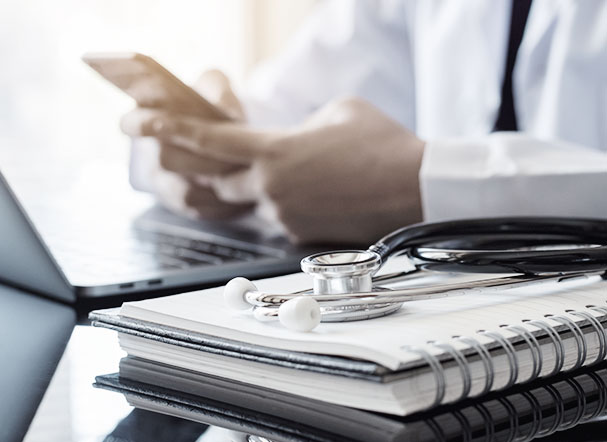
point(150, 84)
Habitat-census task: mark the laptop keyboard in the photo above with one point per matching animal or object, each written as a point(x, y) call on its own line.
point(195, 251)
point(144, 251)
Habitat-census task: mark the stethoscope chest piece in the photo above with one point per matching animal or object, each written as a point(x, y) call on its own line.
point(342, 271)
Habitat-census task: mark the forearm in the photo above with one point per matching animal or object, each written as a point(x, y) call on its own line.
point(512, 174)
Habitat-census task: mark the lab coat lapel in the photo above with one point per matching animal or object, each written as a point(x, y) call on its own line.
point(559, 79)
point(459, 52)
point(532, 59)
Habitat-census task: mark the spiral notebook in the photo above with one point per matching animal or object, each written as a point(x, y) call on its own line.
point(538, 410)
point(429, 353)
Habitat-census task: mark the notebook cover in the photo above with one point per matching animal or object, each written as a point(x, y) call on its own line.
point(321, 363)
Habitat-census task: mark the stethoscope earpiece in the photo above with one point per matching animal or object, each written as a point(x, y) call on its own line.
point(235, 291)
point(301, 314)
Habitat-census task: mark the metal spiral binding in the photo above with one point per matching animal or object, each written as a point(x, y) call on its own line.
point(559, 412)
point(579, 339)
point(436, 430)
point(600, 332)
point(512, 416)
point(581, 405)
point(464, 368)
point(510, 354)
point(483, 353)
point(602, 388)
point(537, 416)
point(521, 331)
point(534, 347)
point(437, 369)
point(559, 347)
point(488, 420)
point(464, 424)
point(538, 425)
point(602, 310)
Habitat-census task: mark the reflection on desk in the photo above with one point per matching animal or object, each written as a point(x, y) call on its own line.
point(33, 334)
point(71, 410)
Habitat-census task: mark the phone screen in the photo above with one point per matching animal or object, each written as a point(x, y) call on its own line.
point(151, 85)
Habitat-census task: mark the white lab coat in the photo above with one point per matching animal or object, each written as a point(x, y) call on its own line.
point(436, 66)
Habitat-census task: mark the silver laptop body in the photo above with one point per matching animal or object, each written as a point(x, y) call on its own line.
point(130, 250)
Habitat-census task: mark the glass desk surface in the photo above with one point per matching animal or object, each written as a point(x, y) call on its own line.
point(73, 410)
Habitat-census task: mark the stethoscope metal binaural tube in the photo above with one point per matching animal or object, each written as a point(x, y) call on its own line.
point(302, 312)
point(534, 249)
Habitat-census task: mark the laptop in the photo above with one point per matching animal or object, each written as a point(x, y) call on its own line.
point(131, 247)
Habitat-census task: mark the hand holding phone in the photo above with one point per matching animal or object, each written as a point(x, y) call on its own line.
point(151, 85)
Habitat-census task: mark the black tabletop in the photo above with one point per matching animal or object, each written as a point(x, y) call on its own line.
point(37, 333)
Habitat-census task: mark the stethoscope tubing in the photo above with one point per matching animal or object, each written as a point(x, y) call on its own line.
point(592, 232)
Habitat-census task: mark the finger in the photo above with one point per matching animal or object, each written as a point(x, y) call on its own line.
point(185, 197)
point(240, 187)
point(267, 210)
point(175, 159)
point(206, 204)
point(132, 123)
point(216, 87)
point(220, 140)
point(169, 189)
point(247, 187)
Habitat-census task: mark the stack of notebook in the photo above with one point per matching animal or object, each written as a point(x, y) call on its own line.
point(429, 353)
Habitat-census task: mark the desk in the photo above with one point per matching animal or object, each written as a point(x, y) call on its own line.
point(33, 334)
point(72, 410)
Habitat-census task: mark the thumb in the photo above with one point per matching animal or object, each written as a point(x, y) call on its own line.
point(215, 87)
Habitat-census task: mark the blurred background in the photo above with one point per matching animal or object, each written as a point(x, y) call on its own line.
point(41, 44)
point(59, 120)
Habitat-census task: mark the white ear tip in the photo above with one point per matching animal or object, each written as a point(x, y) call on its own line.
point(300, 314)
point(235, 291)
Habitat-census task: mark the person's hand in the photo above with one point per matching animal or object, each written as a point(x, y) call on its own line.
point(177, 176)
point(347, 174)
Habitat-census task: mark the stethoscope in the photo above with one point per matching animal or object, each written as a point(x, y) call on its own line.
point(529, 250)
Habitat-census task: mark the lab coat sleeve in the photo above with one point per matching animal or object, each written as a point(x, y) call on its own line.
point(345, 48)
point(512, 174)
